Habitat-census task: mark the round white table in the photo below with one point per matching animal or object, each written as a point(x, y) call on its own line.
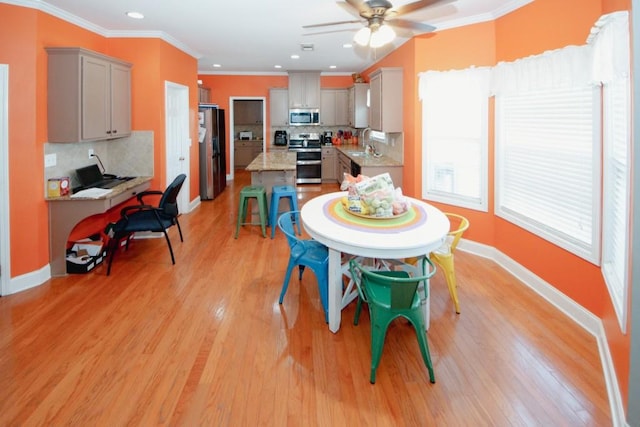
point(416, 233)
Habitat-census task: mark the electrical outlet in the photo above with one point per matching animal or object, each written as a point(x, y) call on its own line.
point(90, 152)
point(50, 160)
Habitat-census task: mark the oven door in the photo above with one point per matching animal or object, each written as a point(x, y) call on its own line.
point(309, 166)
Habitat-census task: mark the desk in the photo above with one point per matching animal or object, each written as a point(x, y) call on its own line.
point(417, 233)
point(66, 212)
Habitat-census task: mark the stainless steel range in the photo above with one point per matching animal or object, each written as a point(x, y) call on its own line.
point(308, 157)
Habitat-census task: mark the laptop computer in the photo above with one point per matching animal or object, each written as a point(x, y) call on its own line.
point(91, 177)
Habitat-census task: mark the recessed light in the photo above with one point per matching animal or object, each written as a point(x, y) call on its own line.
point(217, 65)
point(347, 45)
point(333, 66)
point(307, 47)
point(135, 15)
point(277, 66)
point(295, 56)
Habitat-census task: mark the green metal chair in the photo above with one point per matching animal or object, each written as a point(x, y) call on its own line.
point(389, 295)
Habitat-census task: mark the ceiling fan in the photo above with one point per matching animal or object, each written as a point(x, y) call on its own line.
point(380, 16)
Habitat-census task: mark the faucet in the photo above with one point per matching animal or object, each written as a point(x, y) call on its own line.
point(365, 130)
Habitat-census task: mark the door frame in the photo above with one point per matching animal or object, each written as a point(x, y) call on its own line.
point(184, 157)
point(5, 247)
point(231, 132)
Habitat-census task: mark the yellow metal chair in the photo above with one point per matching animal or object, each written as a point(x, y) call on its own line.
point(443, 256)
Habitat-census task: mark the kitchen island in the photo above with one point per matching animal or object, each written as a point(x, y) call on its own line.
point(273, 168)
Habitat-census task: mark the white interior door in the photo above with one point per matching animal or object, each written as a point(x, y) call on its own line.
point(5, 253)
point(177, 138)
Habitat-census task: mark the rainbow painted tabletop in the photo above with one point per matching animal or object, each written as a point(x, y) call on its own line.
point(418, 232)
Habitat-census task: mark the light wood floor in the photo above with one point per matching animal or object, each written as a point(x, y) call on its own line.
point(205, 342)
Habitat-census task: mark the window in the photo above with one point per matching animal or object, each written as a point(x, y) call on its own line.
point(548, 151)
point(612, 67)
point(455, 137)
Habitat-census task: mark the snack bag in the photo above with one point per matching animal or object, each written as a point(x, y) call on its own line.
point(377, 193)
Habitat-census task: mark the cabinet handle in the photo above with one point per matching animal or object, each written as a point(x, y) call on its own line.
point(108, 132)
point(114, 131)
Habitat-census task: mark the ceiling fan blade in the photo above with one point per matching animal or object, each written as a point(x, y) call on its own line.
point(359, 5)
point(331, 32)
point(331, 23)
point(412, 7)
point(410, 25)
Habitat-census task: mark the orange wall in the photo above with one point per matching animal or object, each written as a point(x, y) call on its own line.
point(23, 35)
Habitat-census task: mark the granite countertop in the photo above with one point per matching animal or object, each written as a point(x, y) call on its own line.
point(273, 161)
point(118, 189)
point(366, 160)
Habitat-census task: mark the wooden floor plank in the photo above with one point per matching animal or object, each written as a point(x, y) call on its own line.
point(205, 342)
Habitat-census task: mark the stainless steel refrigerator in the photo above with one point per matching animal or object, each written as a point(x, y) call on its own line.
point(211, 138)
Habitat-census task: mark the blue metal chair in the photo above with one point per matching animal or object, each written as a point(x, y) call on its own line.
point(305, 253)
point(145, 217)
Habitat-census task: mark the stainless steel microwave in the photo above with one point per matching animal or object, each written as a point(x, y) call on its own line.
point(304, 117)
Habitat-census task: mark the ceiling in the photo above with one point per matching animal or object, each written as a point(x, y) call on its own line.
point(253, 36)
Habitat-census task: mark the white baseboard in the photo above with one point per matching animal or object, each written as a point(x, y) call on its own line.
point(194, 204)
point(570, 308)
point(29, 280)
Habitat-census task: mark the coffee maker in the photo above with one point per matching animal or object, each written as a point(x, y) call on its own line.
point(326, 137)
point(280, 137)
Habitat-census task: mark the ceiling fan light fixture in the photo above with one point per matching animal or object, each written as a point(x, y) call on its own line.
point(362, 36)
point(384, 35)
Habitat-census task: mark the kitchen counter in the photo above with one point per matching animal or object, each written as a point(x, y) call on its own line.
point(366, 160)
point(272, 168)
point(273, 161)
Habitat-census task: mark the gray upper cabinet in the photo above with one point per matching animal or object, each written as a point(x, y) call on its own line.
point(385, 112)
point(358, 110)
point(279, 106)
point(333, 107)
point(304, 89)
point(89, 96)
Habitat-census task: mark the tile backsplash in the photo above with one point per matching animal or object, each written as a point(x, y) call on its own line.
point(128, 156)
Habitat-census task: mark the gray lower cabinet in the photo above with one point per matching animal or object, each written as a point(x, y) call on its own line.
point(245, 151)
point(89, 96)
point(343, 165)
point(329, 164)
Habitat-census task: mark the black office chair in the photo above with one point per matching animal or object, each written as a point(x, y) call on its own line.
point(145, 217)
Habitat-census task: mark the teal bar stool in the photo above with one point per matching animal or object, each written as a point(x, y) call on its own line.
point(258, 193)
point(279, 192)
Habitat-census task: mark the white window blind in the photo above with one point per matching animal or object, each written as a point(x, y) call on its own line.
point(547, 165)
point(455, 137)
point(610, 38)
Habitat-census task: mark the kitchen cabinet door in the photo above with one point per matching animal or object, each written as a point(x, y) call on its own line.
point(385, 113)
point(304, 89)
point(342, 107)
point(89, 96)
point(279, 107)
point(247, 112)
point(334, 107)
point(358, 110)
point(245, 152)
point(329, 164)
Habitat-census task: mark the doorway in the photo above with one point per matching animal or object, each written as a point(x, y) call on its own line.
point(177, 138)
point(247, 114)
point(5, 252)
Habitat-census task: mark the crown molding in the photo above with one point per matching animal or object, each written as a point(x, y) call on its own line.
point(90, 26)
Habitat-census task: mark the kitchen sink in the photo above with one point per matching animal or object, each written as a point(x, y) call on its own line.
point(357, 153)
